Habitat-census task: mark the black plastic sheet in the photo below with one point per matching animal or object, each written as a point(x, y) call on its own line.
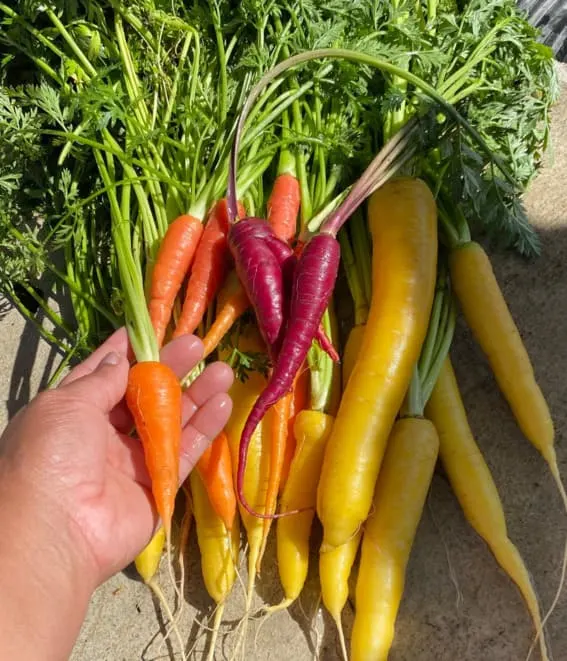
point(551, 17)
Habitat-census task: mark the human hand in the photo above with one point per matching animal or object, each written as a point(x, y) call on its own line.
point(74, 484)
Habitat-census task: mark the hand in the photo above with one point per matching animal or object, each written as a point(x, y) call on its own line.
point(75, 502)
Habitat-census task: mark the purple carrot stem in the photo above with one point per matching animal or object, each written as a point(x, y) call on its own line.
point(395, 153)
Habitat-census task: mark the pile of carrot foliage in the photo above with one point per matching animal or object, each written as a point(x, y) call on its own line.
point(252, 171)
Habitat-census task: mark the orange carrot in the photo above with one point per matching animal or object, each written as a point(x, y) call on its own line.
point(233, 302)
point(173, 260)
point(283, 206)
point(278, 439)
point(215, 470)
point(153, 396)
point(210, 268)
point(299, 402)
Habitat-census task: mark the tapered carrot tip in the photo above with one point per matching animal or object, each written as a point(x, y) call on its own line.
point(153, 396)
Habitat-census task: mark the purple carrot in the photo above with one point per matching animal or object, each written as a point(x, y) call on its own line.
point(288, 261)
point(260, 273)
point(326, 344)
point(314, 274)
point(313, 284)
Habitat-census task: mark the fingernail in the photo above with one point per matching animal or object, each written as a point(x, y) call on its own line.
point(111, 358)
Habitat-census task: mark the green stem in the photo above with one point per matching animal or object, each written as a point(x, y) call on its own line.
point(223, 82)
point(175, 85)
point(395, 119)
point(61, 276)
point(482, 51)
point(321, 370)
point(432, 10)
point(442, 352)
point(427, 351)
point(47, 335)
point(55, 318)
point(286, 163)
point(87, 66)
point(131, 78)
point(353, 279)
point(140, 331)
point(361, 243)
point(35, 32)
point(375, 62)
point(453, 222)
point(414, 405)
point(63, 364)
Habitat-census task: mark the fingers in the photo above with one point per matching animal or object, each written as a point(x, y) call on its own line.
point(127, 456)
point(182, 354)
point(117, 342)
point(204, 426)
point(216, 378)
point(105, 386)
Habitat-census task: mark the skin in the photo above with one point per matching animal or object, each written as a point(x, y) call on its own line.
point(75, 502)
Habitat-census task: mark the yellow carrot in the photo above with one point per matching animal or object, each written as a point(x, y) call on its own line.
point(403, 223)
point(311, 429)
point(218, 548)
point(147, 564)
point(147, 561)
point(256, 478)
point(335, 565)
point(474, 486)
point(352, 350)
point(491, 322)
point(389, 533)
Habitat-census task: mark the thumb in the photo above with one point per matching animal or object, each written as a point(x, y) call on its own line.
point(105, 386)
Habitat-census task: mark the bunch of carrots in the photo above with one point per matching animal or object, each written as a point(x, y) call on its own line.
point(379, 433)
point(344, 432)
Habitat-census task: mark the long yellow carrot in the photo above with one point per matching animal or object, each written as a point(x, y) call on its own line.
point(491, 322)
point(389, 533)
point(257, 475)
point(335, 565)
point(474, 486)
point(311, 429)
point(403, 223)
point(218, 548)
point(352, 350)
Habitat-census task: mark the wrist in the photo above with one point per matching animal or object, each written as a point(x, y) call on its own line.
point(47, 578)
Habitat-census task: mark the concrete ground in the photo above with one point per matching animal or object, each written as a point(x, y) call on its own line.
point(458, 604)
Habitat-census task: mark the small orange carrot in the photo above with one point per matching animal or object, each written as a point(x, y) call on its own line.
point(210, 267)
point(215, 470)
point(153, 396)
point(299, 402)
point(173, 260)
point(283, 206)
point(279, 437)
point(232, 303)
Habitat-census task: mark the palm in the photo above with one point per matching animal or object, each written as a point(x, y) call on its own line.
point(106, 488)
